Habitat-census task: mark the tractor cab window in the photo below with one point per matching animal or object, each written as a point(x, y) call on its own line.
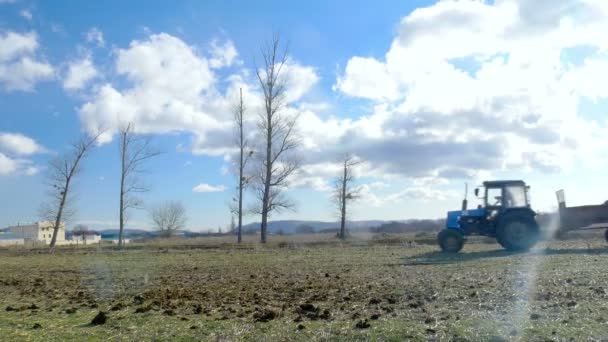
point(493, 197)
point(515, 196)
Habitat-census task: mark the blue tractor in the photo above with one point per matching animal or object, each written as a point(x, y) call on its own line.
point(505, 215)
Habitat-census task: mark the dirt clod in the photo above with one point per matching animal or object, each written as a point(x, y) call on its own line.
point(37, 326)
point(374, 301)
point(70, 311)
point(100, 319)
point(117, 307)
point(362, 324)
point(264, 315)
point(301, 327)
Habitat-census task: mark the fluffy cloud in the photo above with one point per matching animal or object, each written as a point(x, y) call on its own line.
point(469, 86)
point(26, 14)
point(79, 73)
point(222, 54)
point(19, 68)
point(204, 187)
point(13, 147)
point(19, 144)
point(173, 88)
point(7, 165)
point(94, 35)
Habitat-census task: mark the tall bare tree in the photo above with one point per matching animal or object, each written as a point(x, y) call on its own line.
point(63, 170)
point(169, 217)
point(345, 191)
point(277, 132)
point(244, 155)
point(134, 151)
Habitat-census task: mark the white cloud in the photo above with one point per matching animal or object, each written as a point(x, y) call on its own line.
point(299, 80)
point(204, 187)
point(222, 55)
point(19, 144)
point(16, 166)
point(14, 44)
point(13, 147)
point(367, 78)
point(94, 35)
point(7, 165)
point(19, 69)
point(31, 170)
point(79, 73)
point(26, 14)
point(171, 89)
point(469, 86)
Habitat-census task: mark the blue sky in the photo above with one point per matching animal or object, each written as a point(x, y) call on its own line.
point(430, 95)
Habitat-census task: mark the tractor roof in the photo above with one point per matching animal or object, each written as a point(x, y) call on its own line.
point(498, 183)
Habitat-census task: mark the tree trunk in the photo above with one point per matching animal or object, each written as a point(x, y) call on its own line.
point(59, 214)
point(121, 223)
point(122, 212)
point(266, 197)
point(239, 234)
point(343, 209)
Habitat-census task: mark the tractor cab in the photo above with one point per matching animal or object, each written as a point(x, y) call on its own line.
point(502, 195)
point(504, 213)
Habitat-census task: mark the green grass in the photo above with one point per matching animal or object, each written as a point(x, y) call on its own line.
point(558, 292)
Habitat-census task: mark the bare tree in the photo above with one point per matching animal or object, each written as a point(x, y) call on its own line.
point(277, 134)
point(244, 156)
point(169, 217)
point(62, 172)
point(344, 190)
point(134, 151)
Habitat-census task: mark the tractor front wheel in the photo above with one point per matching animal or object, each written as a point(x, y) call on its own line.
point(517, 232)
point(450, 241)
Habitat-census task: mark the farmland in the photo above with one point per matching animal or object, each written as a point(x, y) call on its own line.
point(312, 288)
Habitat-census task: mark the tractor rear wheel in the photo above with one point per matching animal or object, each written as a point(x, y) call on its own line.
point(517, 232)
point(450, 241)
point(606, 235)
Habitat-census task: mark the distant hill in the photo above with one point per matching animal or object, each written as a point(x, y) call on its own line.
point(128, 233)
point(302, 226)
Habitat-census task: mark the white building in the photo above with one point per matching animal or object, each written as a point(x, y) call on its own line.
point(85, 237)
point(38, 232)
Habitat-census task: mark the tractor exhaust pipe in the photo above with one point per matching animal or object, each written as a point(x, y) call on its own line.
point(464, 201)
